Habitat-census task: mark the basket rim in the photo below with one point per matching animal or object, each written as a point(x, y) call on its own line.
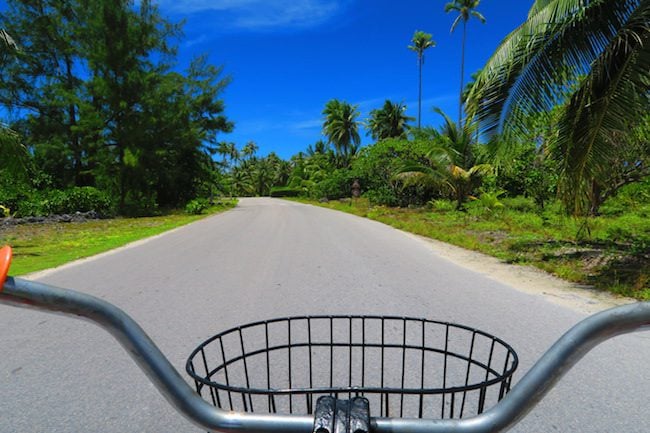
point(512, 357)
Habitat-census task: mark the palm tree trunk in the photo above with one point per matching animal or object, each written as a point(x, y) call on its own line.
point(420, 95)
point(462, 75)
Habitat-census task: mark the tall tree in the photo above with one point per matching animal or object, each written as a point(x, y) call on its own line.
point(390, 121)
point(466, 10)
point(421, 42)
point(250, 149)
point(227, 150)
point(592, 58)
point(42, 82)
point(341, 128)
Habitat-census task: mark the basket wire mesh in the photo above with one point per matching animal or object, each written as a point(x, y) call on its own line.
point(405, 367)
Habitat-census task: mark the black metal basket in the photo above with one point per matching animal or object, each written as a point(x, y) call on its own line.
point(405, 367)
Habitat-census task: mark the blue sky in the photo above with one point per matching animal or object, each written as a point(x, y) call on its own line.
point(287, 58)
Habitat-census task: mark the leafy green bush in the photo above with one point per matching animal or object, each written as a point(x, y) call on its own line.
point(285, 191)
point(197, 206)
point(442, 205)
point(77, 199)
point(383, 196)
point(13, 191)
point(635, 197)
point(337, 185)
point(488, 202)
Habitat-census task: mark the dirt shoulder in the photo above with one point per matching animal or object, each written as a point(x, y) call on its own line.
point(527, 278)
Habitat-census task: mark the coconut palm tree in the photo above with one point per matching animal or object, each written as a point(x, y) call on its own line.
point(319, 147)
point(388, 121)
point(466, 10)
point(453, 162)
point(421, 41)
point(592, 58)
point(250, 149)
point(227, 150)
point(341, 128)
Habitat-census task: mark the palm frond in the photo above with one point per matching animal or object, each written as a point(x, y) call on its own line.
point(601, 107)
point(14, 154)
point(455, 23)
point(537, 64)
point(479, 16)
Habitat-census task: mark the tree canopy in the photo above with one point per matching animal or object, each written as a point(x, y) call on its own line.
point(98, 99)
point(592, 57)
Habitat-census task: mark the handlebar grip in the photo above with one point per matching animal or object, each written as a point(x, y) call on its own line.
point(5, 262)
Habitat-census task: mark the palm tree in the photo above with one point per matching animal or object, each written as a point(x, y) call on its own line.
point(421, 41)
point(342, 128)
point(458, 155)
point(228, 151)
point(453, 162)
point(250, 149)
point(241, 181)
point(465, 9)
point(590, 57)
point(319, 147)
point(388, 121)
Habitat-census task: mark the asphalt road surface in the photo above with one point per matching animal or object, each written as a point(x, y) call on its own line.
point(270, 258)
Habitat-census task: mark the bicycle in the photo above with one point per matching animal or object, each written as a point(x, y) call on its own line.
point(227, 407)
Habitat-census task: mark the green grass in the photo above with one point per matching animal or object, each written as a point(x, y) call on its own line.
point(42, 246)
point(610, 253)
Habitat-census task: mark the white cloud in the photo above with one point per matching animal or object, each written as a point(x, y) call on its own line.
point(259, 14)
point(307, 124)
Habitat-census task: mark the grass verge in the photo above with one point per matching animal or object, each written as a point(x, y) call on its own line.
point(610, 254)
point(42, 246)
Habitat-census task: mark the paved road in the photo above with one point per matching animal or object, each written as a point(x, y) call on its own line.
point(269, 258)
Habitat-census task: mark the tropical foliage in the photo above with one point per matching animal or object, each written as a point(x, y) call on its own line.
point(591, 58)
point(341, 128)
point(390, 121)
point(106, 108)
point(452, 162)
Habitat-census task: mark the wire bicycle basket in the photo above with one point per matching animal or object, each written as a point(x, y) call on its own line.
point(406, 367)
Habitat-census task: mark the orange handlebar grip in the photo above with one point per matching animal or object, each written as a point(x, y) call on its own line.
point(5, 261)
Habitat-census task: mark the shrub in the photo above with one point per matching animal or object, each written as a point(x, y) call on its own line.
point(197, 206)
point(631, 197)
point(285, 191)
point(77, 199)
point(442, 205)
point(337, 185)
point(13, 191)
point(383, 196)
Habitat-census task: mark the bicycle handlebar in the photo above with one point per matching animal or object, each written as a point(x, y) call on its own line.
point(556, 362)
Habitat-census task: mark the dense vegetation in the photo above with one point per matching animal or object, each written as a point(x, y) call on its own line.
point(100, 110)
point(554, 129)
